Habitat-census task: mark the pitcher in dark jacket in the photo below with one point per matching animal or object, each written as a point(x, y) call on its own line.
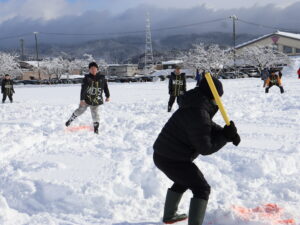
point(7, 88)
point(177, 87)
point(190, 132)
point(272, 80)
point(93, 86)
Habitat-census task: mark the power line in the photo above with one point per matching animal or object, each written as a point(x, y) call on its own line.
point(138, 31)
point(87, 35)
point(16, 36)
point(190, 25)
point(118, 33)
point(262, 25)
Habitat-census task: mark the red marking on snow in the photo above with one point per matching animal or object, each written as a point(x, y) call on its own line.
point(73, 129)
point(266, 213)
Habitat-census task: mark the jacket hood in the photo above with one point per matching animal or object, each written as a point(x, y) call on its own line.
point(196, 99)
point(205, 89)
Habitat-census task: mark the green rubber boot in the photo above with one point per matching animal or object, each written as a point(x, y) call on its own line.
point(171, 206)
point(197, 211)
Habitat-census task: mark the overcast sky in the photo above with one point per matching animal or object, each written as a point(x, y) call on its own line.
point(94, 16)
point(46, 9)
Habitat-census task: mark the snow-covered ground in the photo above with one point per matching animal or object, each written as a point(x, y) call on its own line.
point(49, 175)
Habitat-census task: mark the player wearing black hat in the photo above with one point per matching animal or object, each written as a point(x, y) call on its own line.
point(7, 88)
point(93, 86)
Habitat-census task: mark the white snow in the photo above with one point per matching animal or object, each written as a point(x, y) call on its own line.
point(33, 63)
point(288, 34)
point(50, 176)
point(172, 62)
point(292, 69)
point(71, 76)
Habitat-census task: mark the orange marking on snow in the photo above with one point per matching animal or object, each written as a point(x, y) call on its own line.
point(268, 212)
point(289, 221)
point(73, 129)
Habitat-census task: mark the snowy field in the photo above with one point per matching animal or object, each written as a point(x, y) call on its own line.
point(50, 175)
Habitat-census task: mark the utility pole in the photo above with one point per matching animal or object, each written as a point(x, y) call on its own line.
point(22, 49)
point(37, 53)
point(148, 47)
point(234, 19)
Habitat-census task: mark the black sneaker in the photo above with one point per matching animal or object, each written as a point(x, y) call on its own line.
point(72, 118)
point(96, 127)
point(68, 123)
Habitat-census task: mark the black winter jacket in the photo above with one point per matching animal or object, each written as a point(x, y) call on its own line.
point(190, 131)
point(92, 89)
point(177, 84)
point(7, 87)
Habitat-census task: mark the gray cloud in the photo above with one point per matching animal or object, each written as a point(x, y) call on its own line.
point(37, 9)
point(134, 19)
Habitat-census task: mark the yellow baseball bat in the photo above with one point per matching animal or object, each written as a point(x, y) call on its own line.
point(217, 98)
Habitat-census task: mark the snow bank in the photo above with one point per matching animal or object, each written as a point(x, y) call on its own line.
point(292, 69)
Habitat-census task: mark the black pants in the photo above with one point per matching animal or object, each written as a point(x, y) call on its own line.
point(281, 88)
point(172, 100)
point(185, 175)
point(4, 97)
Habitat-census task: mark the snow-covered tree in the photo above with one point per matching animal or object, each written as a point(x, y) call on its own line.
point(88, 57)
point(60, 65)
point(78, 64)
point(81, 64)
point(211, 59)
point(55, 66)
point(46, 67)
point(9, 65)
point(103, 65)
point(262, 57)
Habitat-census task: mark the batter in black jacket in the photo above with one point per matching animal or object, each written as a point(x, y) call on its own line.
point(177, 87)
point(7, 88)
point(190, 132)
point(93, 86)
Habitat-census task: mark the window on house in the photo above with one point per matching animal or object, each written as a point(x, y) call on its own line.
point(287, 49)
point(297, 50)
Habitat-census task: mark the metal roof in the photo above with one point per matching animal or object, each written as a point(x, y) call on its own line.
point(278, 33)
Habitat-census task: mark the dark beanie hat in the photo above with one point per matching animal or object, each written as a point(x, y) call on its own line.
point(93, 64)
point(204, 87)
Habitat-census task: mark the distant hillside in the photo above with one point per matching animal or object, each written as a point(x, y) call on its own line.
point(187, 41)
point(131, 49)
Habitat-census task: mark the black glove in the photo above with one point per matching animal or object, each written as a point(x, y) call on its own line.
point(236, 140)
point(230, 131)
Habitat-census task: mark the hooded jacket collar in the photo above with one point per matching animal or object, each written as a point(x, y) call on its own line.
point(197, 100)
